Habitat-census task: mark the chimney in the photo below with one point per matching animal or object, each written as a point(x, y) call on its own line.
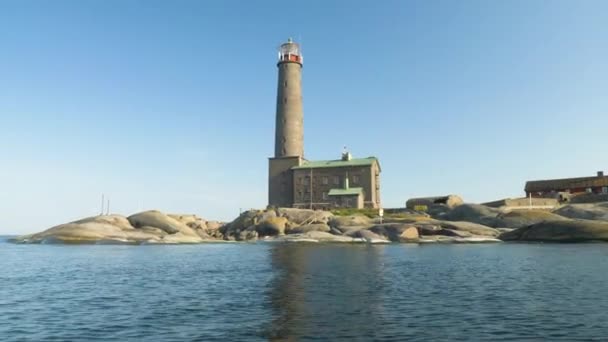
point(600, 173)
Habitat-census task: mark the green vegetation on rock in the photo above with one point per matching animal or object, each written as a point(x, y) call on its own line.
point(369, 212)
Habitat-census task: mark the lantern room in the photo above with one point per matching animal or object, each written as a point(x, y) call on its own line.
point(290, 52)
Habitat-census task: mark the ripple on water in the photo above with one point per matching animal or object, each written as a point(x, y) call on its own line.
point(303, 292)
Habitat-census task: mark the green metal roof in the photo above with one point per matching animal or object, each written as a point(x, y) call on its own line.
point(342, 192)
point(307, 164)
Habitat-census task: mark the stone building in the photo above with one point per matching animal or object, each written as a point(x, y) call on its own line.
point(342, 183)
point(294, 181)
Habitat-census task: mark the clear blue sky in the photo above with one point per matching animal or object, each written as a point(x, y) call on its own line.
point(170, 104)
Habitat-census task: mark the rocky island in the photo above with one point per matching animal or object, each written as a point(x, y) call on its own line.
point(461, 223)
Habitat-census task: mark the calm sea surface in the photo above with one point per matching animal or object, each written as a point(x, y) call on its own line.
point(265, 291)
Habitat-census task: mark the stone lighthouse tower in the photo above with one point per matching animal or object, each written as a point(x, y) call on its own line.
point(289, 134)
point(289, 126)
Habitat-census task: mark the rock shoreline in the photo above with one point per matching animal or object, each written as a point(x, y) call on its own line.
point(466, 223)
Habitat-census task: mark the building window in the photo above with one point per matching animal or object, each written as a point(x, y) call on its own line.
point(589, 190)
point(325, 180)
point(605, 190)
point(337, 180)
point(306, 180)
point(325, 196)
point(355, 179)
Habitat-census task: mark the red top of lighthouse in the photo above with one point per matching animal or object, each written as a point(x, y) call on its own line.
point(290, 53)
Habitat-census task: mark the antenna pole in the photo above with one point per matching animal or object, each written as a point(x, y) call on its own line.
point(108, 207)
point(102, 202)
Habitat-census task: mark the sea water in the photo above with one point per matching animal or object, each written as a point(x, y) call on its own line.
point(303, 291)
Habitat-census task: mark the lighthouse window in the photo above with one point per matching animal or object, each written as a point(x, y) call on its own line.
point(284, 100)
point(285, 84)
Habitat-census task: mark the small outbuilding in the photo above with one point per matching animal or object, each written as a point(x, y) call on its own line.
point(424, 203)
point(347, 198)
point(523, 203)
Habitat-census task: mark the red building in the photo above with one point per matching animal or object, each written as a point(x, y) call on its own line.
point(551, 187)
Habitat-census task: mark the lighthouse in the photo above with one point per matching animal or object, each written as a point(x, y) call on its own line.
point(295, 182)
point(289, 126)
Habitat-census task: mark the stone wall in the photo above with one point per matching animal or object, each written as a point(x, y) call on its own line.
point(280, 181)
